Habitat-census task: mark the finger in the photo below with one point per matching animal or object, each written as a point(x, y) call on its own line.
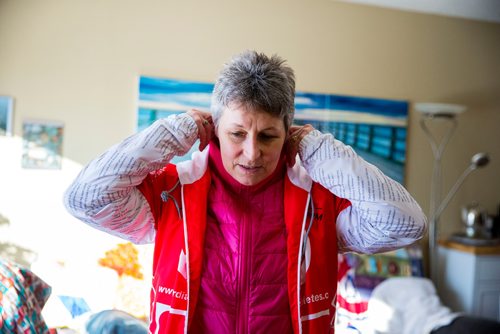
point(290, 159)
point(204, 123)
point(295, 136)
point(199, 114)
point(202, 133)
point(291, 149)
point(210, 130)
point(297, 133)
point(294, 131)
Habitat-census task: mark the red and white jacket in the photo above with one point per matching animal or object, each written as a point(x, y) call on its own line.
point(110, 194)
point(179, 251)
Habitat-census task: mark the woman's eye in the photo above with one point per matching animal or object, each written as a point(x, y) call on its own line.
point(266, 137)
point(237, 134)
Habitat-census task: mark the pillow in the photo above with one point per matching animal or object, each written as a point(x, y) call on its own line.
point(359, 274)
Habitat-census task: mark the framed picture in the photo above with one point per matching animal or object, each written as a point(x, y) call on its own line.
point(6, 115)
point(42, 144)
point(375, 128)
point(160, 97)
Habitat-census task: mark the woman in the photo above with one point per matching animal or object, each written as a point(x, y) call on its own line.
point(246, 238)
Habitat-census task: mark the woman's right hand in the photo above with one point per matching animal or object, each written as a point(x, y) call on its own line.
point(295, 136)
point(205, 125)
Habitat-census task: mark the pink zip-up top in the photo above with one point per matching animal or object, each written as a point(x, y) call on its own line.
point(243, 281)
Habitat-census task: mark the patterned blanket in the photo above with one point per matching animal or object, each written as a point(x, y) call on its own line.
point(22, 297)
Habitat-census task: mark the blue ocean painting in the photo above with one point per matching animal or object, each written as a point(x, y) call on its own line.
point(5, 115)
point(160, 97)
point(375, 128)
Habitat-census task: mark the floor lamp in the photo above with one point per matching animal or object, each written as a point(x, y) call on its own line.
point(448, 114)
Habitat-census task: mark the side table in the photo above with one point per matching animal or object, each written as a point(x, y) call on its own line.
point(469, 278)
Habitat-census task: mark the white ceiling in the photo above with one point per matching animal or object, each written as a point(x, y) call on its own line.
point(483, 10)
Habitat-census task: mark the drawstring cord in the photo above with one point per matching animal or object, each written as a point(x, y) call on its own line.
point(166, 195)
point(311, 220)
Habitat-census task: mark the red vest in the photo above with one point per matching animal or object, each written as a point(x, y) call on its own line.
point(180, 230)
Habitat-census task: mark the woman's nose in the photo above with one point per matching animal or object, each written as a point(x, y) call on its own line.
point(252, 149)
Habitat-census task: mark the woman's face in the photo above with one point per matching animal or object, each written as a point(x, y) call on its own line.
point(250, 142)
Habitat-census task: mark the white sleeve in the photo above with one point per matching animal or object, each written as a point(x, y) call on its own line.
point(382, 216)
point(104, 194)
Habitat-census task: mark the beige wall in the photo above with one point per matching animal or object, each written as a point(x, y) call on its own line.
point(78, 62)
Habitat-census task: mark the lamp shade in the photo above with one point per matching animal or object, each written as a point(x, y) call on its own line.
point(439, 109)
point(479, 160)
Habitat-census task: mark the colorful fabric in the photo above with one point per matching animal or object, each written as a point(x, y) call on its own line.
point(22, 297)
point(360, 274)
point(75, 305)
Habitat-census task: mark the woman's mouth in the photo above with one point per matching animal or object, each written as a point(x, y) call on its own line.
point(249, 168)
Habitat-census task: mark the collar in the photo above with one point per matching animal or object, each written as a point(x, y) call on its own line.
point(217, 169)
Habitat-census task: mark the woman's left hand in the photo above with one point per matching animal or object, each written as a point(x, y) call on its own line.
point(205, 126)
point(295, 135)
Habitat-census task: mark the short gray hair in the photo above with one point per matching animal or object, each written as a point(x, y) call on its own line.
point(256, 81)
